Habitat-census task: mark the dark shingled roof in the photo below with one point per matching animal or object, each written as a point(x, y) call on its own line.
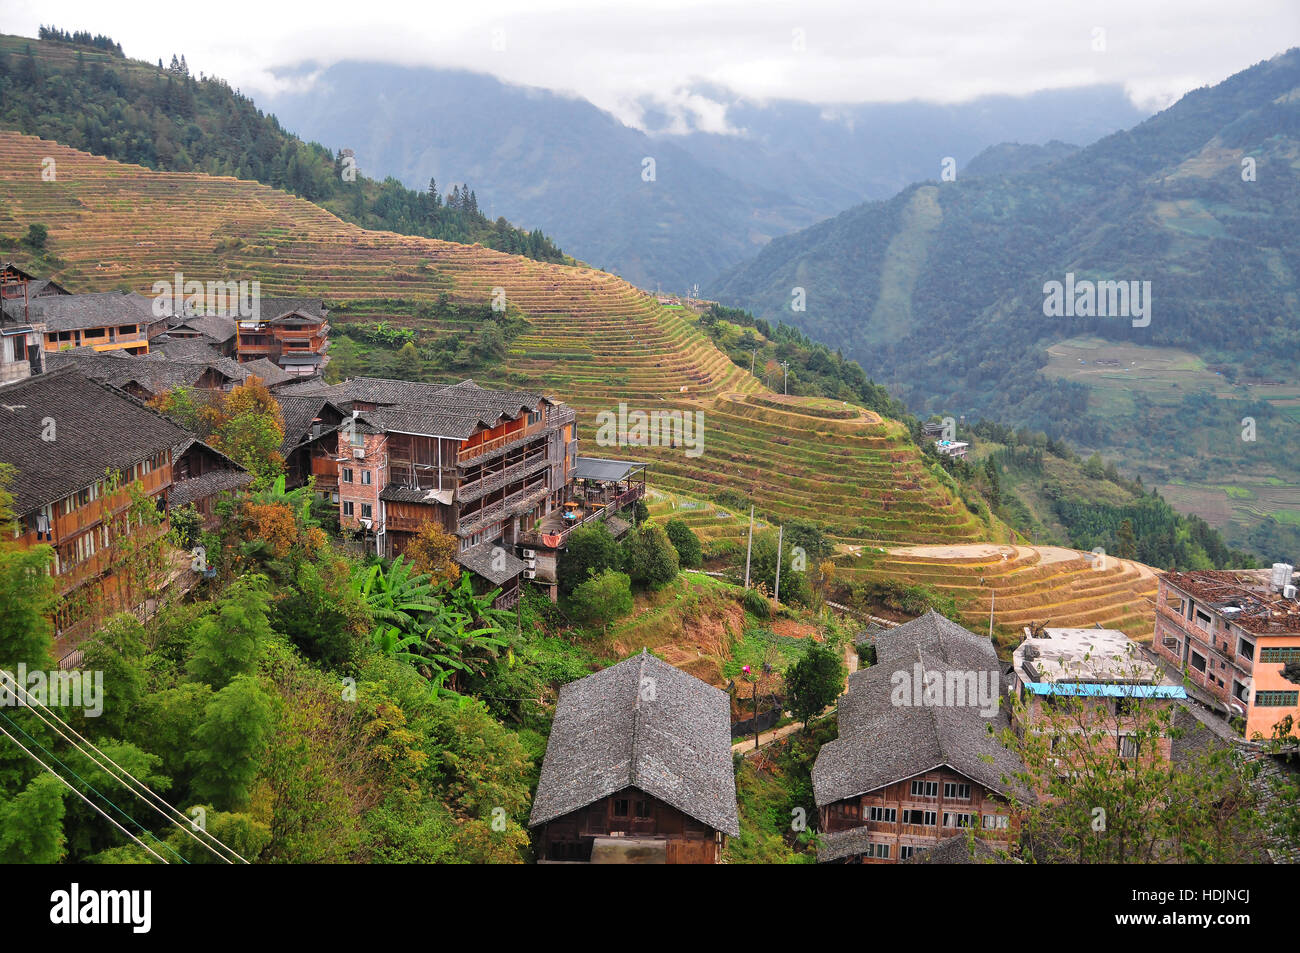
point(98, 310)
point(268, 371)
point(216, 328)
point(881, 742)
point(185, 349)
point(199, 487)
point(933, 632)
point(96, 428)
point(960, 850)
point(495, 567)
point(298, 412)
point(610, 732)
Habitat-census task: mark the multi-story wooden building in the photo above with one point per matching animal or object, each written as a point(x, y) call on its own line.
point(638, 769)
point(21, 337)
point(1100, 684)
point(483, 465)
point(1231, 632)
point(912, 768)
point(78, 448)
point(293, 334)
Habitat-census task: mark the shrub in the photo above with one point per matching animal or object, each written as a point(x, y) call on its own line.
point(651, 559)
point(687, 544)
point(756, 604)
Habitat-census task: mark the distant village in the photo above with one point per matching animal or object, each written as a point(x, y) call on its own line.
point(639, 767)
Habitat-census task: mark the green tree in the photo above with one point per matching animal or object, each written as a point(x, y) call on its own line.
point(37, 235)
point(345, 360)
point(31, 823)
point(227, 641)
point(408, 365)
point(814, 682)
point(589, 551)
point(689, 552)
point(795, 584)
point(651, 559)
point(27, 593)
point(602, 599)
point(232, 740)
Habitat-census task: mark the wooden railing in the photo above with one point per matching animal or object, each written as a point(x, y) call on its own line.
point(557, 539)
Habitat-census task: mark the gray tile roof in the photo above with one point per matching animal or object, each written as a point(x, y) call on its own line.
point(214, 481)
point(95, 427)
point(496, 568)
point(956, 849)
point(931, 631)
point(216, 328)
point(882, 742)
point(960, 850)
point(97, 310)
point(641, 723)
point(298, 412)
point(268, 371)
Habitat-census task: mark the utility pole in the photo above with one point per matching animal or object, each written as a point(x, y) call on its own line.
point(750, 548)
point(786, 385)
point(753, 356)
point(780, 537)
point(993, 598)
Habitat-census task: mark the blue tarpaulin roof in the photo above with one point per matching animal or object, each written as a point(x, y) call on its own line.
point(1100, 690)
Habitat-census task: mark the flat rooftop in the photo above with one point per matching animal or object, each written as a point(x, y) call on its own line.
point(1084, 656)
point(1243, 596)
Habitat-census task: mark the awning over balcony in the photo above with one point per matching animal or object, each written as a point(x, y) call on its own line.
point(605, 471)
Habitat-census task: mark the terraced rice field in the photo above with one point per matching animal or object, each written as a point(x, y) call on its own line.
point(1024, 585)
point(594, 340)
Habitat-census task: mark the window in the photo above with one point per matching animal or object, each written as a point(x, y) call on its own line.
point(1276, 699)
point(956, 820)
point(884, 815)
point(905, 852)
point(846, 809)
point(345, 474)
point(620, 807)
point(1198, 661)
point(925, 789)
point(1239, 691)
point(1205, 620)
point(877, 850)
point(367, 511)
point(996, 822)
point(1129, 747)
point(921, 818)
point(534, 418)
point(1280, 653)
point(365, 478)
point(643, 809)
point(1245, 648)
point(960, 792)
point(347, 507)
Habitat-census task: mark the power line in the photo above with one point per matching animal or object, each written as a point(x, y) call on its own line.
point(185, 824)
point(76, 792)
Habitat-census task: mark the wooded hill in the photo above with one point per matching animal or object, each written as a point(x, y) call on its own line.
point(86, 94)
point(939, 292)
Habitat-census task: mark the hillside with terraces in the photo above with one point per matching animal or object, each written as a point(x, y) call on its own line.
point(1023, 585)
point(593, 340)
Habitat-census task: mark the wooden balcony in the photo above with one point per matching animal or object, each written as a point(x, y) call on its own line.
point(554, 538)
point(96, 511)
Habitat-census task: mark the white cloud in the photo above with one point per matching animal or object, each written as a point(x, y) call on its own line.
point(618, 55)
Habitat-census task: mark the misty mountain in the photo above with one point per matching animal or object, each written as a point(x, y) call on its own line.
point(559, 163)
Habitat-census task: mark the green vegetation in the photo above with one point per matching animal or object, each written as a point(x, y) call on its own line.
point(1166, 203)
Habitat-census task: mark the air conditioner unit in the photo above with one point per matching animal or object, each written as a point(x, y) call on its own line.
point(530, 574)
point(530, 553)
point(1288, 592)
point(358, 453)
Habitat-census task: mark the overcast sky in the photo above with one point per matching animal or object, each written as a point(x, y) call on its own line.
point(614, 53)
